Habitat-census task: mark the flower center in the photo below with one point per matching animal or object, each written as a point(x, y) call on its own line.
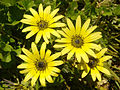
point(40, 65)
point(77, 41)
point(42, 25)
point(93, 62)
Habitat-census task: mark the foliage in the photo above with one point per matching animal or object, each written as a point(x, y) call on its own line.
point(103, 13)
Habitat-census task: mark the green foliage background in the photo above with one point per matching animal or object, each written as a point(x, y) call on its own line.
point(104, 13)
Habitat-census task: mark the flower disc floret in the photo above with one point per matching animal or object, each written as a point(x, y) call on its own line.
point(76, 41)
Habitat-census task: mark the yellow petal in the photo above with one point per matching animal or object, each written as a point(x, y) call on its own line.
point(53, 13)
point(93, 37)
point(83, 55)
point(68, 32)
point(34, 79)
point(42, 79)
point(78, 56)
point(56, 19)
point(35, 14)
point(101, 53)
point(42, 50)
point(24, 71)
point(85, 27)
point(23, 65)
point(62, 33)
point(53, 57)
point(30, 34)
point(98, 74)
point(66, 49)
point(29, 54)
point(47, 12)
point(28, 16)
point(55, 33)
point(93, 74)
point(38, 36)
point(29, 75)
point(60, 45)
point(63, 40)
point(55, 69)
point(47, 55)
point(40, 10)
point(54, 74)
point(71, 53)
point(105, 58)
point(85, 72)
point(27, 21)
point(55, 63)
point(49, 79)
point(27, 29)
point(48, 33)
point(103, 70)
point(93, 46)
point(78, 25)
point(91, 29)
point(35, 50)
point(54, 25)
point(25, 58)
point(89, 51)
point(70, 25)
point(45, 37)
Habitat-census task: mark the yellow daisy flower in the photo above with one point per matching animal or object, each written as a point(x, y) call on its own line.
point(43, 23)
point(40, 66)
point(78, 40)
point(96, 64)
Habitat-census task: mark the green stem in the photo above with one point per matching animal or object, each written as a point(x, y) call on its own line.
point(37, 85)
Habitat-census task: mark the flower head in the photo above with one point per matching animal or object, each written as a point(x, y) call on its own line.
point(78, 40)
point(95, 65)
point(40, 66)
point(43, 23)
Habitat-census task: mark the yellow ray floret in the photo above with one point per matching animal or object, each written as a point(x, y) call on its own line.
point(42, 23)
point(78, 40)
point(95, 65)
point(40, 65)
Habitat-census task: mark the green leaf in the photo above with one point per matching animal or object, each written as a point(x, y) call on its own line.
point(18, 51)
point(7, 47)
point(12, 40)
point(116, 10)
point(27, 4)
point(8, 2)
point(1, 56)
point(15, 15)
point(7, 58)
point(107, 12)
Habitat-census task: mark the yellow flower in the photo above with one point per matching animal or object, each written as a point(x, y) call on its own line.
point(96, 64)
point(40, 66)
point(43, 23)
point(78, 40)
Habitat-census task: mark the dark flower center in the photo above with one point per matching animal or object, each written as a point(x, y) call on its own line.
point(42, 25)
point(40, 65)
point(77, 41)
point(93, 62)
